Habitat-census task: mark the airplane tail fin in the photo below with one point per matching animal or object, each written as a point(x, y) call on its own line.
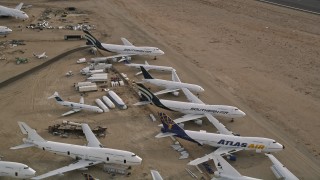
point(147, 95)
point(56, 97)
point(169, 125)
point(32, 136)
point(145, 73)
point(91, 40)
point(19, 6)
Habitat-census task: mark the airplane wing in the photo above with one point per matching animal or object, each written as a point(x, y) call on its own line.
point(166, 91)
point(221, 128)
point(77, 165)
point(91, 138)
point(220, 151)
point(279, 170)
point(191, 97)
point(19, 6)
point(224, 167)
point(126, 42)
point(71, 112)
point(188, 117)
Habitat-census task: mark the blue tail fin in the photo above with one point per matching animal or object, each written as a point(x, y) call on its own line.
point(147, 95)
point(145, 73)
point(170, 126)
point(91, 40)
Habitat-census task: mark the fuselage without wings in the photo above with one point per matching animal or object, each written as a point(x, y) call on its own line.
point(16, 170)
point(195, 108)
point(105, 155)
point(246, 143)
point(133, 50)
point(174, 85)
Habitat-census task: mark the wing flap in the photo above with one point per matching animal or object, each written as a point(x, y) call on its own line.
point(77, 165)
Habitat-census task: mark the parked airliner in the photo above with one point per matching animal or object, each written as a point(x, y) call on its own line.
point(226, 144)
point(13, 12)
point(171, 86)
point(76, 107)
point(16, 170)
point(279, 170)
point(124, 51)
point(192, 110)
point(226, 172)
point(92, 154)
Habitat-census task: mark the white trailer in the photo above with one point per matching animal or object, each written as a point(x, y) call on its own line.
point(108, 102)
point(90, 72)
point(102, 105)
point(117, 100)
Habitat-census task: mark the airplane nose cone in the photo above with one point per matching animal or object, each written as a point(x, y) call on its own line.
point(161, 52)
point(139, 159)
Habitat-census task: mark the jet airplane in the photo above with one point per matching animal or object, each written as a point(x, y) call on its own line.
point(148, 67)
point(226, 144)
point(226, 172)
point(40, 56)
point(92, 154)
point(124, 51)
point(279, 170)
point(16, 170)
point(13, 12)
point(4, 31)
point(171, 86)
point(76, 107)
point(193, 110)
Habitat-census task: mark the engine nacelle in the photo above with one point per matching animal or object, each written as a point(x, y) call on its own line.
point(114, 59)
point(198, 122)
point(175, 93)
point(128, 58)
point(231, 157)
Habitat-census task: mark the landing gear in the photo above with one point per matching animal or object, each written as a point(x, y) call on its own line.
point(232, 120)
point(155, 58)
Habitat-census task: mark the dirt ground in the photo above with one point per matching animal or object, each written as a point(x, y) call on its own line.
point(261, 58)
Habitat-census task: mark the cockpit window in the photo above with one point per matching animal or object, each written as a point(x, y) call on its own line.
point(133, 155)
point(274, 142)
point(236, 109)
point(26, 167)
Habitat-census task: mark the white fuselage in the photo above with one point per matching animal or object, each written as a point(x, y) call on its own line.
point(16, 170)
point(105, 155)
point(81, 106)
point(4, 30)
point(195, 108)
point(133, 50)
point(246, 143)
point(5, 11)
point(174, 85)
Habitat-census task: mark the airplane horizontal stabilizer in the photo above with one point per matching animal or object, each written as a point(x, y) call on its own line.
point(162, 135)
point(22, 146)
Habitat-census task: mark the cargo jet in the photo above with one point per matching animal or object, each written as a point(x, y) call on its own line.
point(16, 170)
point(124, 51)
point(13, 12)
point(193, 110)
point(92, 154)
point(148, 67)
point(226, 172)
point(226, 144)
point(279, 170)
point(4, 31)
point(76, 107)
point(171, 86)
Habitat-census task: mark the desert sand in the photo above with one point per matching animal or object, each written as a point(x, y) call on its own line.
point(261, 58)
